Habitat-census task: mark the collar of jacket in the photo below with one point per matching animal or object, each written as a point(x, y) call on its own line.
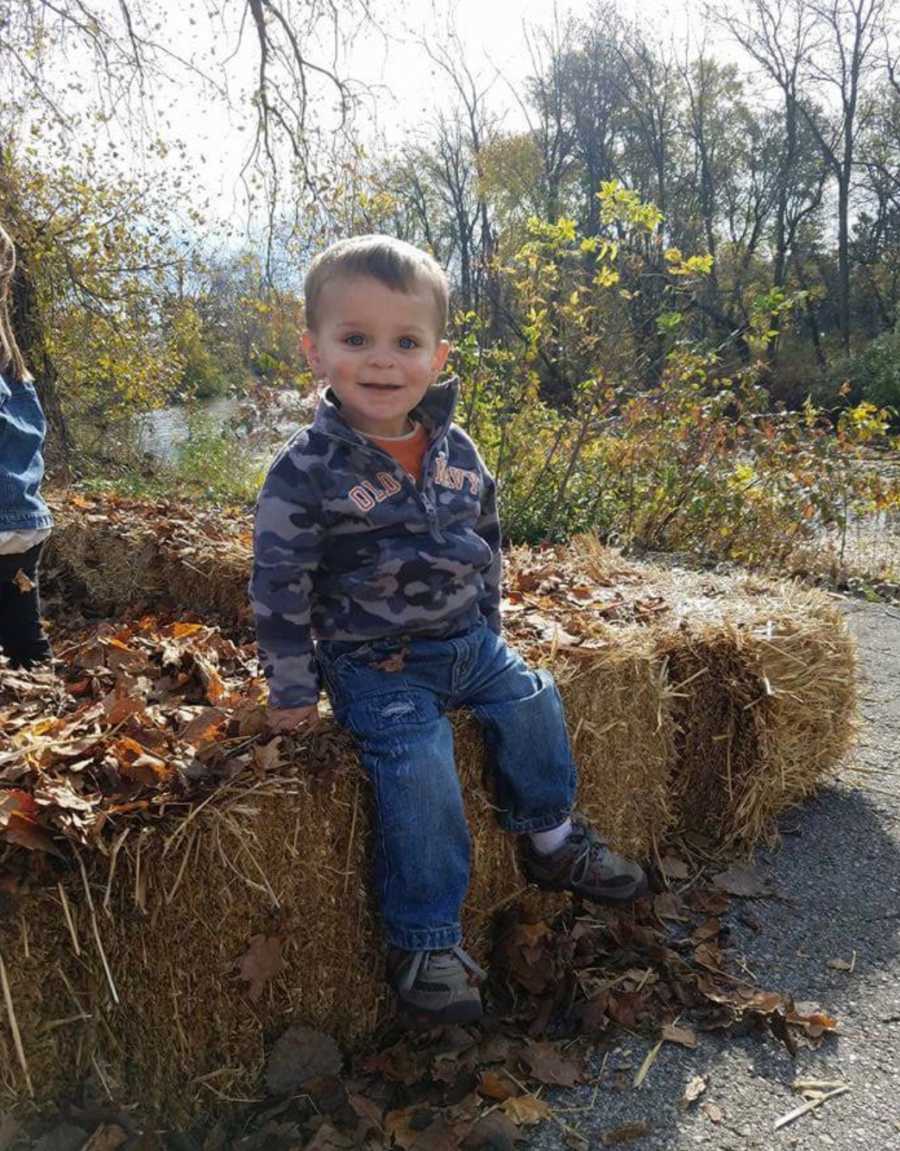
point(435, 411)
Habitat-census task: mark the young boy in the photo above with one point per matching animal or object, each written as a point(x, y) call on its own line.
point(377, 535)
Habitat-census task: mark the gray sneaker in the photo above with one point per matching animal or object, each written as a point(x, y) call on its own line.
point(585, 865)
point(436, 986)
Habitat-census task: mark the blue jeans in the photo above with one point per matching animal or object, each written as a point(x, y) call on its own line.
point(397, 714)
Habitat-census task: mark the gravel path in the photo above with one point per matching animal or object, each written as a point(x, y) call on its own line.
point(837, 873)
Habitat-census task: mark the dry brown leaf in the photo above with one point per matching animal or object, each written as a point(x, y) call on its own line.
point(708, 930)
point(118, 705)
point(204, 726)
point(547, 1065)
point(495, 1131)
point(136, 762)
point(328, 1138)
point(814, 1023)
point(742, 882)
point(419, 1128)
point(267, 756)
point(626, 1133)
point(525, 1110)
point(19, 824)
point(370, 1114)
point(300, 1053)
point(713, 1112)
point(683, 1036)
point(261, 962)
point(22, 582)
point(674, 868)
point(494, 1086)
point(667, 905)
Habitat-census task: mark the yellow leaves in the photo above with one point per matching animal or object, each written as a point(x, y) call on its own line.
point(619, 204)
point(606, 277)
point(693, 266)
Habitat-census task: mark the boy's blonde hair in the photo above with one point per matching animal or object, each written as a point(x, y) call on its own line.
point(394, 263)
point(10, 357)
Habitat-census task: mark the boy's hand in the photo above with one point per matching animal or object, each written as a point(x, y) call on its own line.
point(293, 718)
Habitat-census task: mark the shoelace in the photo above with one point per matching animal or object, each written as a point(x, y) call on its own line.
point(591, 845)
point(428, 960)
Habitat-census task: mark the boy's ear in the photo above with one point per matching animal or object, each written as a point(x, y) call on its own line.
point(308, 343)
point(441, 352)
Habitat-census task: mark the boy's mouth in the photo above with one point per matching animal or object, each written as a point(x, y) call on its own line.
point(381, 387)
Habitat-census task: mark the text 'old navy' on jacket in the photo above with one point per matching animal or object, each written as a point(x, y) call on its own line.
point(349, 547)
point(22, 431)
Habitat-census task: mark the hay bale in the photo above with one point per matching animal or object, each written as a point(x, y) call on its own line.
point(176, 907)
point(695, 702)
point(119, 555)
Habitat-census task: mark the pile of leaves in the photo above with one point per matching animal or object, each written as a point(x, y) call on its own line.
point(561, 995)
point(142, 714)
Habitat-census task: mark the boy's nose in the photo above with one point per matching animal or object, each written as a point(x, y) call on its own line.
point(381, 358)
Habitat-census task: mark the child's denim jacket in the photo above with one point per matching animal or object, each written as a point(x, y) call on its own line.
point(22, 431)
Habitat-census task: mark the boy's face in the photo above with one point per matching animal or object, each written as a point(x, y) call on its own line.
point(378, 349)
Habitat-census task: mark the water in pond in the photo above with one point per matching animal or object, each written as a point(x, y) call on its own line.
point(164, 431)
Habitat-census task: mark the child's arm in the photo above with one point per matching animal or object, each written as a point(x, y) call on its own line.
point(288, 543)
point(488, 527)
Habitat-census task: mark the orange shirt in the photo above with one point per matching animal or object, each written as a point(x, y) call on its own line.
point(408, 451)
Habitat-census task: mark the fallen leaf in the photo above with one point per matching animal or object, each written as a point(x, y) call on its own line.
point(261, 962)
point(547, 1065)
point(300, 1053)
point(495, 1131)
point(420, 1129)
point(267, 756)
point(327, 1138)
point(708, 930)
point(713, 1113)
point(667, 905)
point(743, 882)
point(369, 1113)
point(683, 1036)
point(494, 1086)
point(815, 1023)
point(840, 965)
point(626, 1133)
point(22, 582)
point(204, 726)
point(694, 1089)
point(674, 868)
point(19, 825)
point(216, 691)
point(525, 1110)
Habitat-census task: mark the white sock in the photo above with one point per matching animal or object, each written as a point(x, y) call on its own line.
point(545, 842)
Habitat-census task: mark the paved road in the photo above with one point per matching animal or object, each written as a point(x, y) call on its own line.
point(838, 869)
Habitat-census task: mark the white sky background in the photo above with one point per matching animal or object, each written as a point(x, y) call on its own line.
point(406, 88)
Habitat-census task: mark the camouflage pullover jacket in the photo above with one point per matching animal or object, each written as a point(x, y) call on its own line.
point(348, 547)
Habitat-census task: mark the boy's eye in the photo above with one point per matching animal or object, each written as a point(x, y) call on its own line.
point(407, 342)
point(355, 340)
